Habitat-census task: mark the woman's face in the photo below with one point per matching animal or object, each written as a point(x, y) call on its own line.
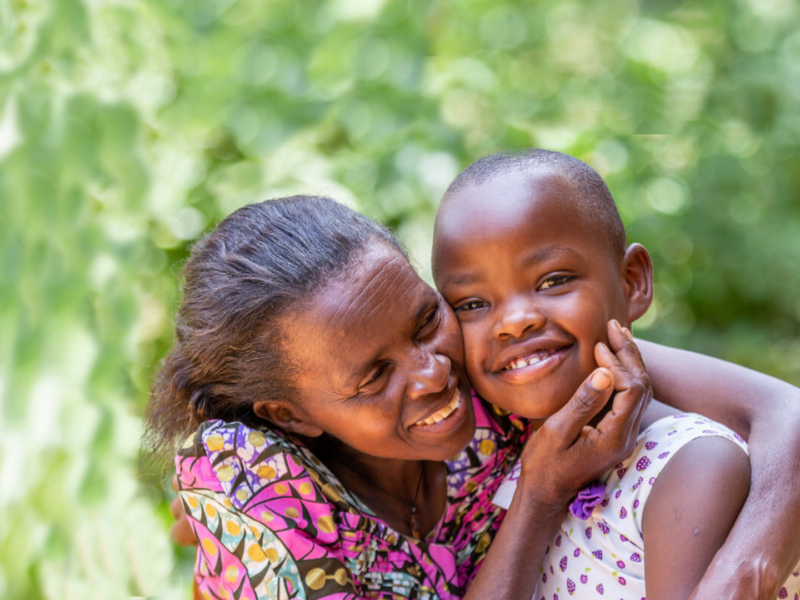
point(379, 363)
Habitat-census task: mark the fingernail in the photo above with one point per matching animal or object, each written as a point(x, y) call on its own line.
point(617, 325)
point(601, 380)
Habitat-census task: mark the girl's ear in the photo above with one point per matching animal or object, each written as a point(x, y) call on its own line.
point(638, 272)
point(287, 417)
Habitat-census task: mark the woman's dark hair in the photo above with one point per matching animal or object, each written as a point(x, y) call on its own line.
point(239, 281)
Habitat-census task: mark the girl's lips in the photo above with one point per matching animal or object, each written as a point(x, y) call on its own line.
point(524, 374)
point(450, 416)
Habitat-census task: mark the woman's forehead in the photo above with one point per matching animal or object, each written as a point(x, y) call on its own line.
point(376, 301)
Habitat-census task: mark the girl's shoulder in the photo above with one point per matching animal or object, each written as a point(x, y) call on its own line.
point(605, 552)
point(629, 483)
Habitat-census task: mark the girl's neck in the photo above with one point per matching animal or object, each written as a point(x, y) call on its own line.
point(655, 411)
point(536, 423)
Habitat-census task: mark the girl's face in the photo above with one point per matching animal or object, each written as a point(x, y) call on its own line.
point(378, 363)
point(534, 283)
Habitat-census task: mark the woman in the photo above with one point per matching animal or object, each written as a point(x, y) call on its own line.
point(305, 331)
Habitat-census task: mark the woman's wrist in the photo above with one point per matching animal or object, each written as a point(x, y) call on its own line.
point(543, 498)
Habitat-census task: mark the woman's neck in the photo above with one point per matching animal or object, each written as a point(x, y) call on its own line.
point(391, 488)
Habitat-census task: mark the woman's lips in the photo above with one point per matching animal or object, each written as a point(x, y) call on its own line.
point(524, 369)
point(446, 418)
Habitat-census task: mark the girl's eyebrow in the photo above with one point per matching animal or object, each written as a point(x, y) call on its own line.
point(537, 256)
point(547, 253)
point(459, 279)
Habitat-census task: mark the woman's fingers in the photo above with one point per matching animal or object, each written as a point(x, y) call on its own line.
point(180, 532)
point(625, 348)
point(574, 452)
point(591, 396)
point(620, 427)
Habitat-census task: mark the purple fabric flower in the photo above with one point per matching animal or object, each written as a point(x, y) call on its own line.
point(584, 503)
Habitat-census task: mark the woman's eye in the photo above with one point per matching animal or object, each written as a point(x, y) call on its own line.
point(430, 322)
point(374, 375)
point(471, 305)
point(554, 281)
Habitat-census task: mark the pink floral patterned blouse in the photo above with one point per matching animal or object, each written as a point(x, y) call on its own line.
point(273, 522)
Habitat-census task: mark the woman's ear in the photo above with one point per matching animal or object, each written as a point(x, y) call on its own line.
point(287, 417)
point(638, 272)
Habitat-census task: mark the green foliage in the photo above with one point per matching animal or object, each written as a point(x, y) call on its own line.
point(127, 128)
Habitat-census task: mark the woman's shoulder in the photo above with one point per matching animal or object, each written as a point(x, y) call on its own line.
point(261, 507)
point(243, 461)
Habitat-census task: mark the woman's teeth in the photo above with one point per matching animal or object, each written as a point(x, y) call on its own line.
point(442, 414)
point(526, 362)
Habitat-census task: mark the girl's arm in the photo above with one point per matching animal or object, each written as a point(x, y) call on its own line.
point(690, 512)
point(763, 545)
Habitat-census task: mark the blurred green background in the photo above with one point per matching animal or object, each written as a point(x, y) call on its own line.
point(128, 127)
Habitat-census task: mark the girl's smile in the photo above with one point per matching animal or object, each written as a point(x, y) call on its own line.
point(533, 362)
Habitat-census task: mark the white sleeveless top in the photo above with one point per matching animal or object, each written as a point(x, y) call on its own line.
point(604, 555)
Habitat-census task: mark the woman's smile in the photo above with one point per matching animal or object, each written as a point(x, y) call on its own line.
point(445, 419)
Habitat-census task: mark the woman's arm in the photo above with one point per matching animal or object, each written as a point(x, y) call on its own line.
point(763, 545)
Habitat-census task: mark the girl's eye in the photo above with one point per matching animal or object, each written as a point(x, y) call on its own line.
point(471, 305)
point(554, 281)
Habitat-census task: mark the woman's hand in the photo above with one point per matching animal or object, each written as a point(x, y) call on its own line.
point(566, 453)
point(180, 532)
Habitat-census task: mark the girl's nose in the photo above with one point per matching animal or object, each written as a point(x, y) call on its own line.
point(517, 319)
point(429, 375)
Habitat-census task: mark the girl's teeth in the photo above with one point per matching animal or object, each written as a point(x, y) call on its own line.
point(522, 362)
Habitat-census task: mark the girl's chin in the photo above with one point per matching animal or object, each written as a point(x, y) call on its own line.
point(529, 405)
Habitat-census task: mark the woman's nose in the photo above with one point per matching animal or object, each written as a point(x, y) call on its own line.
point(516, 319)
point(429, 375)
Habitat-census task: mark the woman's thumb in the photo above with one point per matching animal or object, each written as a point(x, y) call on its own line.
point(585, 403)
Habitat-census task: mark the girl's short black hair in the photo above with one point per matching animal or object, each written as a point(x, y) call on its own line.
point(596, 198)
point(239, 281)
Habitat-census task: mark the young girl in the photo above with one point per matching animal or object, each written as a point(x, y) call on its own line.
point(530, 252)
